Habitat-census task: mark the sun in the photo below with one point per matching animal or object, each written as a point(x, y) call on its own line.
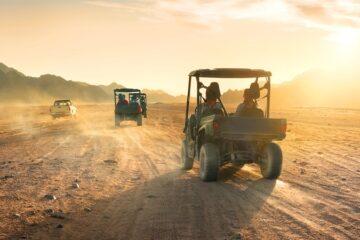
point(345, 47)
point(346, 37)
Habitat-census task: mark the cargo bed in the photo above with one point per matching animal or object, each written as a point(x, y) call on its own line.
point(251, 129)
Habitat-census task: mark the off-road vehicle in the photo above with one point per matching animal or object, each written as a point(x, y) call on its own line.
point(214, 137)
point(63, 108)
point(132, 110)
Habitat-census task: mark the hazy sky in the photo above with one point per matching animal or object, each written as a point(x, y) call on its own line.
point(155, 44)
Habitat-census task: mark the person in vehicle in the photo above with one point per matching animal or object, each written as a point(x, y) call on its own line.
point(247, 103)
point(248, 108)
point(142, 101)
point(211, 105)
point(134, 99)
point(122, 101)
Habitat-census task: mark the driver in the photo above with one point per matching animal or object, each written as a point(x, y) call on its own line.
point(248, 108)
point(247, 103)
point(122, 100)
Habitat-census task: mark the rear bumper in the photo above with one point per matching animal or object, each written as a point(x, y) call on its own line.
point(250, 136)
point(127, 116)
point(252, 129)
point(61, 114)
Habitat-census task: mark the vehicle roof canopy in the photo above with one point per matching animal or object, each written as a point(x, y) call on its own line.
point(65, 100)
point(138, 93)
point(128, 90)
point(230, 73)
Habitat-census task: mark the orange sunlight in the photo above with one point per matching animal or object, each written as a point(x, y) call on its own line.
point(346, 37)
point(150, 44)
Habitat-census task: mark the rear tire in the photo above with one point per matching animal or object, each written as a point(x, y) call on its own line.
point(209, 162)
point(117, 121)
point(186, 162)
point(271, 161)
point(139, 120)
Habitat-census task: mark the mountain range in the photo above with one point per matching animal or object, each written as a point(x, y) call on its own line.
point(16, 87)
point(314, 88)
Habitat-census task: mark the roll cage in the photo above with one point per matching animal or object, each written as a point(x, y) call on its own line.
point(117, 91)
point(140, 96)
point(226, 73)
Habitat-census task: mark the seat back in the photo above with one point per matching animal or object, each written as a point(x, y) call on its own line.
point(211, 111)
point(252, 112)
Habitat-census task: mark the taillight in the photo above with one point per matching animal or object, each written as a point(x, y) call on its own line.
point(283, 128)
point(216, 126)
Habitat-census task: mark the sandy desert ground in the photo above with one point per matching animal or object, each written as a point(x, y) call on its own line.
point(130, 185)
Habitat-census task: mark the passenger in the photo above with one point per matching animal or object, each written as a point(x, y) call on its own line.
point(247, 103)
point(122, 100)
point(248, 108)
point(134, 99)
point(142, 102)
point(211, 106)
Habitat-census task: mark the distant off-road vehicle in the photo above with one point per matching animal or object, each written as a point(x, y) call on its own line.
point(63, 108)
point(215, 138)
point(129, 110)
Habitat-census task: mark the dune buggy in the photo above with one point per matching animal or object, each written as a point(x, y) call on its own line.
point(217, 138)
point(128, 110)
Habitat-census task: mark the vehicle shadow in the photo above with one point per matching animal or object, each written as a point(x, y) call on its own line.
point(123, 127)
point(176, 205)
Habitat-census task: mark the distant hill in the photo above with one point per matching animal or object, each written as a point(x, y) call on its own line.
point(314, 88)
point(109, 89)
point(162, 96)
point(318, 88)
point(6, 69)
point(16, 87)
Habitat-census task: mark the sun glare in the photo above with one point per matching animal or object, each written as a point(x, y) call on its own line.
point(346, 37)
